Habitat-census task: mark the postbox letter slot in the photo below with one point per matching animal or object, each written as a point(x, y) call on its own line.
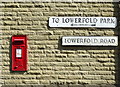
point(19, 40)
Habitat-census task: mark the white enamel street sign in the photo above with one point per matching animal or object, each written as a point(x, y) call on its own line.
point(98, 22)
point(90, 40)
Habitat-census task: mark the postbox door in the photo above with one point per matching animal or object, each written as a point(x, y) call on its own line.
point(19, 62)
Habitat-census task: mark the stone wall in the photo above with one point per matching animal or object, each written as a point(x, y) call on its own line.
point(49, 63)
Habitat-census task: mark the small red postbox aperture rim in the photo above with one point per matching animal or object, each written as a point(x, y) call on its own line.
point(19, 40)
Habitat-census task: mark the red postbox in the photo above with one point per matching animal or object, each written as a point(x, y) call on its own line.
point(19, 53)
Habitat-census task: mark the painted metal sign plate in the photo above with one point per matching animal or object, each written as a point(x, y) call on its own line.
point(90, 40)
point(98, 22)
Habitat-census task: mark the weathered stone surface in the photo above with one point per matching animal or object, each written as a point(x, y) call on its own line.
point(49, 63)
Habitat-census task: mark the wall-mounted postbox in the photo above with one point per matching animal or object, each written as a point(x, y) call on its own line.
point(19, 53)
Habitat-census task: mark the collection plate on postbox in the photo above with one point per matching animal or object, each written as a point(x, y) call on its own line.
point(19, 53)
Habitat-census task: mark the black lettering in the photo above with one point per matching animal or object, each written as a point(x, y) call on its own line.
point(81, 40)
point(101, 40)
point(105, 40)
point(95, 20)
point(53, 20)
point(88, 40)
point(108, 20)
point(78, 40)
point(67, 20)
point(76, 20)
point(79, 20)
point(63, 20)
point(112, 20)
point(102, 20)
point(112, 40)
point(95, 40)
point(71, 20)
point(68, 40)
point(65, 40)
point(83, 20)
point(73, 40)
point(87, 20)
